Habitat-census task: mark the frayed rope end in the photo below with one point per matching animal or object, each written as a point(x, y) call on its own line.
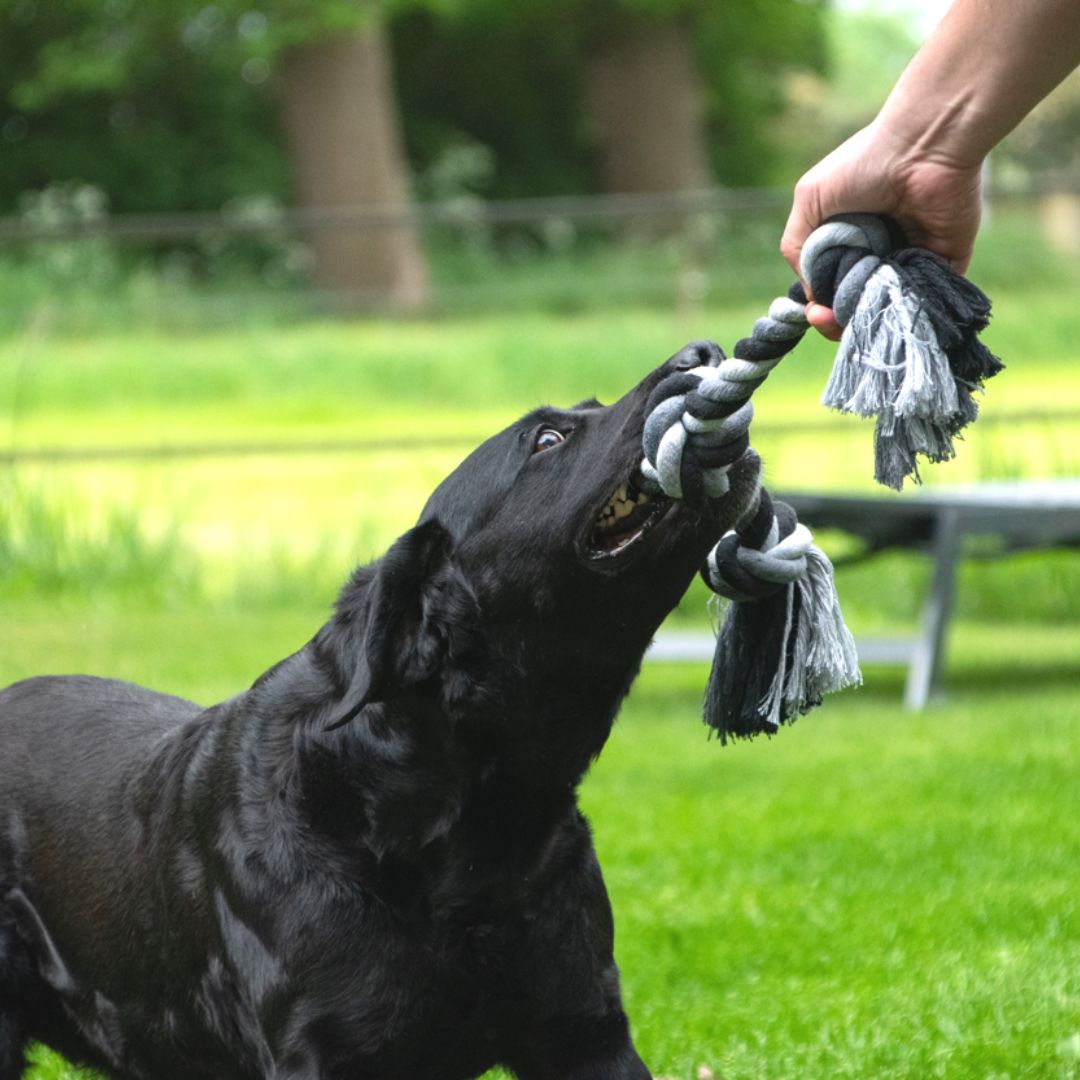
point(910, 353)
point(778, 655)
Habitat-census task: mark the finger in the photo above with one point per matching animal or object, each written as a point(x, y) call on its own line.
point(799, 226)
point(823, 321)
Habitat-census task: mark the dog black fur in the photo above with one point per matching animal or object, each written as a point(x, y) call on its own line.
point(371, 864)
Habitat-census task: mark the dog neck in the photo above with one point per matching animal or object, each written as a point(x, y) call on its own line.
point(480, 770)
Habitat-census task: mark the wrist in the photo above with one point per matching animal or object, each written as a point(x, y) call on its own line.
point(949, 130)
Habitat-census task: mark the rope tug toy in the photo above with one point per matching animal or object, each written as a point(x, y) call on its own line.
point(910, 356)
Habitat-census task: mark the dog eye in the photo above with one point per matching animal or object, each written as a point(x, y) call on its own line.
point(548, 438)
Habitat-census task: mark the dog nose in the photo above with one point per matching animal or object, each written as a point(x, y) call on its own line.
point(697, 354)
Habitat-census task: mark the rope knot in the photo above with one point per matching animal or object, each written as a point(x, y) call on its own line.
point(910, 353)
point(697, 426)
point(783, 644)
point(743, 567)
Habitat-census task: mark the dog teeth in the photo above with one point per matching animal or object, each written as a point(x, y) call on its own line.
point(625, 500)
point(623, 503)
point(611, 526)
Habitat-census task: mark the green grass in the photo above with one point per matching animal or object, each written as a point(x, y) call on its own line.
point(459, 380)
point(870, 894)
point(302, 519)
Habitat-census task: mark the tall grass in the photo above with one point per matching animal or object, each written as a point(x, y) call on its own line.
point(53, 551)
point(64, 552)
point(49, 549)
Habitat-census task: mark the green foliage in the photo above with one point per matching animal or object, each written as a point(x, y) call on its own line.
point(1047, 141)
point(536, 54)
point(746, 52)
point(161, 105)
point(530, 129)
point(169, 104)
point(866, 50)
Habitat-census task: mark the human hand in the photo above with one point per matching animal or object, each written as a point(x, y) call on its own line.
point(937, 202)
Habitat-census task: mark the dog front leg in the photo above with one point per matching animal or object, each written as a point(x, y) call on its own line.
point(627, 1065)
point(582, 1049)
point(13, 1040)
point(569, 1023)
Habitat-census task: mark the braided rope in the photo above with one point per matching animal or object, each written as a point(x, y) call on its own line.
point(696, 428)
point(698, 421)
point(909, 355)
point(769, 552)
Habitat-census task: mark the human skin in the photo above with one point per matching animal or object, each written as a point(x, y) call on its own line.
point(982, 70)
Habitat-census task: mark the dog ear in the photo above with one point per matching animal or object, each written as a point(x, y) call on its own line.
point(419, 611)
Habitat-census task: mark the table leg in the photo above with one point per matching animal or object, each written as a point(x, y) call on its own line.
point(927, 658)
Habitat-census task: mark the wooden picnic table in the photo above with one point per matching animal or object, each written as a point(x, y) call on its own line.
point(1018, 516)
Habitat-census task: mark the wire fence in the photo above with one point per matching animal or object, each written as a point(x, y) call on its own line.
point(122, 454)
point(564, 253)
point(464, 212)
point(68, 256)
point(89, 267)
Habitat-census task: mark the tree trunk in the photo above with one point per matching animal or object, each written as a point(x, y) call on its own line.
point(645, 112)
point(343, 132)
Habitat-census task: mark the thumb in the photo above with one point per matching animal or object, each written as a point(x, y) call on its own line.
point(804, 218)
point(791, 243)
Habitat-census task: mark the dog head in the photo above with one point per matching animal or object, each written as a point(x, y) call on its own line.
point(540, 568)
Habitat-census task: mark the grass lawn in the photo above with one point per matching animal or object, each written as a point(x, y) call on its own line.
point(871, 894)
point(454, 382)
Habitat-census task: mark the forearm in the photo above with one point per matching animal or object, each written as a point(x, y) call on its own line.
point(988, 63)
point(983, 70)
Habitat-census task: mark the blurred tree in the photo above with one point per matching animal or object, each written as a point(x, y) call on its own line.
point(645, 104)
point(867, 50)
point(1047, 142)
point(162, 103)
point(616, 95)
point(182, 104)
point(150, 103)
point(343, 131)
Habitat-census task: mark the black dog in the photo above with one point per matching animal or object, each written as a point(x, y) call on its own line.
point(370, 865)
